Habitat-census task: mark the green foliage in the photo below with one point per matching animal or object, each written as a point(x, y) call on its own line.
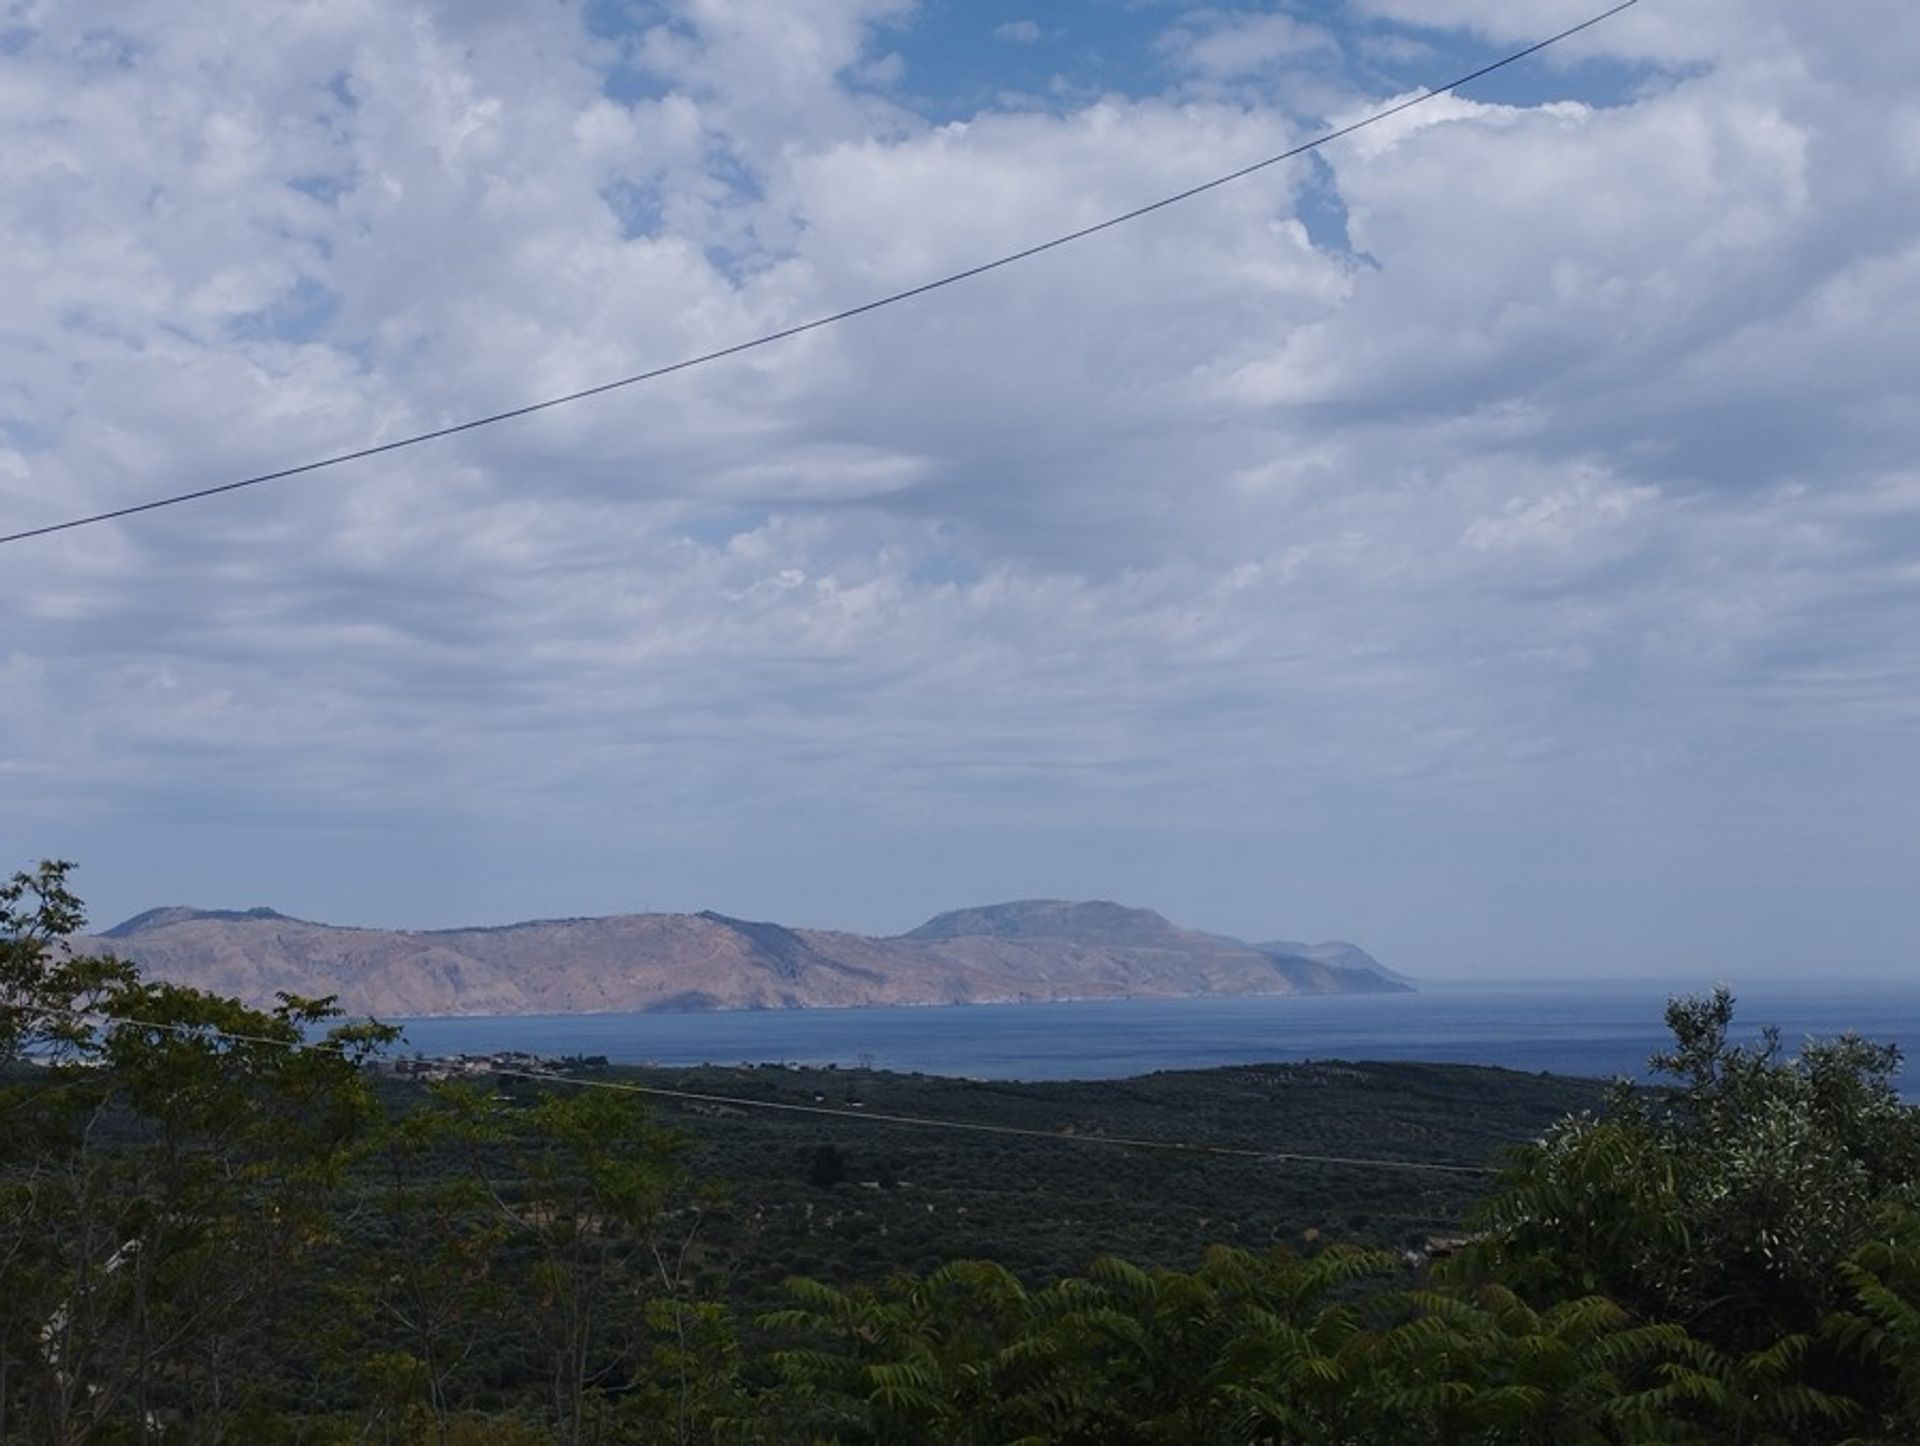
point(591, 1179)
point(1880, 1331)
point(911, 1199)
point(212, 1232)
point(826, 1167)
point(429, 1274)
point(45, 991)
point(1262, 1348)
point(168, 1160)
point(1727, 1204)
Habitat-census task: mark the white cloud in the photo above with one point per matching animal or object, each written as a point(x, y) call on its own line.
point(1229, 45)
point(1574, 505)
point(1020, 32)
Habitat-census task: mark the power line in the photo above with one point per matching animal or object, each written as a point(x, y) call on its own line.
point(832, 318)
point(981, 1127)
point(878, 1117)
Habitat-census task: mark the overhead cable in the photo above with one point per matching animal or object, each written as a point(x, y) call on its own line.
point(743, 1102)
point(830, 319)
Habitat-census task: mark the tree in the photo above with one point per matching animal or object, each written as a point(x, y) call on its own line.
point(826, 1167)
point(1727, 1202)
point(1880, 1330)
point(46, 992)
point(428, 1271)
point(586, 1180)
point(171, 1155)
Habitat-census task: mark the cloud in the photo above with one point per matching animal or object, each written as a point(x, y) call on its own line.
point(1408, 591)
point(1234, 44)
point(1020, 32)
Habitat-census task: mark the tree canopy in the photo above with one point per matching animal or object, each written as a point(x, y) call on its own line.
point(216, 1225)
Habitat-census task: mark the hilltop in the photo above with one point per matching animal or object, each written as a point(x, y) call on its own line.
point(1025, 951)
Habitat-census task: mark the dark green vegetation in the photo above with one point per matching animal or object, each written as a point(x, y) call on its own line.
point(210, 1234)
point(855, 1198)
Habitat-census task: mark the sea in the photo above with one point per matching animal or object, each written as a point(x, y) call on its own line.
point(1596, 1028)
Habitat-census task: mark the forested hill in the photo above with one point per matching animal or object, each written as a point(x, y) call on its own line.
point(1029, 950)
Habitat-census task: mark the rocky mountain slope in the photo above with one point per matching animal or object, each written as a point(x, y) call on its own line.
point(1031, 950)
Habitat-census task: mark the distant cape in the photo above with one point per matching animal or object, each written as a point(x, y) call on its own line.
point(1029, 950)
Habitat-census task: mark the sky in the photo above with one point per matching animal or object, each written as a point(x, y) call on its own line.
point(1494, 538)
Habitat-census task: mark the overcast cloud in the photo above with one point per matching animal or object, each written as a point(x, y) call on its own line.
point(1496, 540)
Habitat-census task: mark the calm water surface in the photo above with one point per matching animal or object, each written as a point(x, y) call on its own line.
point(1588, 1028)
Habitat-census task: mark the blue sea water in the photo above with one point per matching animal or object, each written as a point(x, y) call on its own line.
point(1603, 1029)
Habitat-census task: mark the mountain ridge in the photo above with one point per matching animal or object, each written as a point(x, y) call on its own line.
point(1028, 950)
